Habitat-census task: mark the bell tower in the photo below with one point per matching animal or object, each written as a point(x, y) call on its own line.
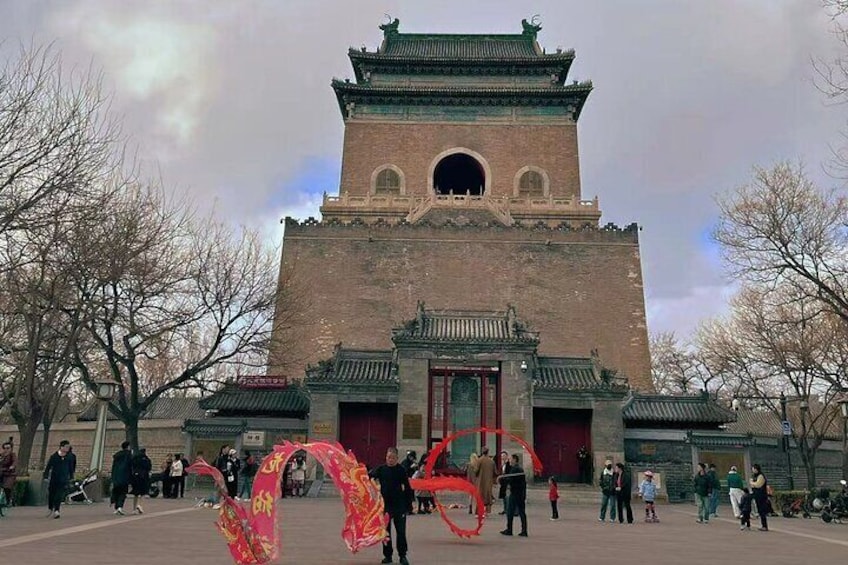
point(441, 124)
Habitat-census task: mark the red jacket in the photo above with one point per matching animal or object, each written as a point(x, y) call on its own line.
point(553, 493)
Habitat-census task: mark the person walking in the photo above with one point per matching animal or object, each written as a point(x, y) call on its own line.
point(58, 474)
point(502, 486)
point(165, 469)
point(8, 470)
point(701, 484)
point(607, 486)
point(250, 467)
point(231, 473)
point(121, 474)
point(623, 494)
point(140, 481)
point(397, 498)
point(553, 497)
point(517, 497)
point(715, 489)
point(176, 475)
point(181, 483)
point(485, 473)
point(745, 509)
point(471, 477)
point(735, 484)
point(298, 475)
point(648, 492)
point(759, 486)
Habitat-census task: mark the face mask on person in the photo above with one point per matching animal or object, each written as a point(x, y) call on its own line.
point(609, 467)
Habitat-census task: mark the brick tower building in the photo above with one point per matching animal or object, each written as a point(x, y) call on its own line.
point(459, 278)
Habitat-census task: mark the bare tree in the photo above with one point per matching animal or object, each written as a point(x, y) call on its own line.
point(171, 292)
point(781, 230)
point(56, 137)
point(38, 337)
point(681, 368)
point(776, 341)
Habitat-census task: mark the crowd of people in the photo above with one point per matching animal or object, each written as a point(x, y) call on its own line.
point(615, 483)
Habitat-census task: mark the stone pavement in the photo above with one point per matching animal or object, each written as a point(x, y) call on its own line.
point(172, 531)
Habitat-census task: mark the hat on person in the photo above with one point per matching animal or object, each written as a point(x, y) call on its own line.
point(733, 468)
point(649, 474)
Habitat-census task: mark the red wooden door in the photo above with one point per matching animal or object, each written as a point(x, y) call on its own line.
point(557, 436)
point(368, 429)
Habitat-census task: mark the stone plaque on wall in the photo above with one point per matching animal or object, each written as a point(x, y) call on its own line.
point(648, 449)
point(322, 427)
point(516, 426)
point(412, 424)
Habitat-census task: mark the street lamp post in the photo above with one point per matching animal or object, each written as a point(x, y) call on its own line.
point(786, 446)
point(105, 393)
point(843, 407)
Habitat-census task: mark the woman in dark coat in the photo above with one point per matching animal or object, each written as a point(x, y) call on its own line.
point(8, 470)
point(759, 486)
point(140, 480)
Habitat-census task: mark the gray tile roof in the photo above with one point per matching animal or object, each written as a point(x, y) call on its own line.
point(291, 400)
point(676, 410)
point(465, 326)
point(460, 46)
point(354, 367)
point(163, 408)
point(563, 373)
point(211, 428)
point(757, 422)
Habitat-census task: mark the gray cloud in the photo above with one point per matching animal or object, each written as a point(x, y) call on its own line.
point(232, 100)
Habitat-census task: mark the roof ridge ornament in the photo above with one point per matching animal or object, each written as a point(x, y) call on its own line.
point(532, 27)
point(390, 27)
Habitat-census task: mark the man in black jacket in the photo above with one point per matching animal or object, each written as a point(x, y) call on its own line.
point(502, 488)
point(58, 472)
point(623, 492)
point(517, 496)
point(397, 497)
point(121, 474)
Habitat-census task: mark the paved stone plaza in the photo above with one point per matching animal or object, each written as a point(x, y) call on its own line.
point(172, 531)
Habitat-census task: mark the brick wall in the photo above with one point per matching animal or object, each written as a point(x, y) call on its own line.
point(506, 148)
point(580, 289)
point(671, 458)
point(158, 437)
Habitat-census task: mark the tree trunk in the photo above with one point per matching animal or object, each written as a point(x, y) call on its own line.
point(131, 425)
point(27, 431)
point(45, 442)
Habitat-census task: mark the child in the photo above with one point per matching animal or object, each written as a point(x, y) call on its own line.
point(553, 496)
point(745, 509)
point(423, 496)
point(648, 492)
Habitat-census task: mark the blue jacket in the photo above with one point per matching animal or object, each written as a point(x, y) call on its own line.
point(648, 490)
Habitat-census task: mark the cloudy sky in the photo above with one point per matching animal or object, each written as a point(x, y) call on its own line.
point(232, 102)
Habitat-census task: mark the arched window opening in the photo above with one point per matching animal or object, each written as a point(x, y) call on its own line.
point(532, 183)
point(459, 174)
point(388, 182)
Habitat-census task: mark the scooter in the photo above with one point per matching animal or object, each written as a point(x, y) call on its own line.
point(836, 508)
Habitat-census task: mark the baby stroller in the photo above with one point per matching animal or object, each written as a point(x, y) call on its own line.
point(76, 491)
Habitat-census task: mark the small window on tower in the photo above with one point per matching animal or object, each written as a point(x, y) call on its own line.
point(532, 183)
point(388, 182)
